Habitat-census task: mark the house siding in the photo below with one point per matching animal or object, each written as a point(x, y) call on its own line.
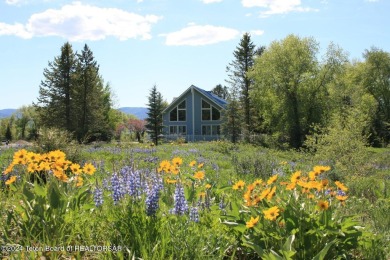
point(194, 120)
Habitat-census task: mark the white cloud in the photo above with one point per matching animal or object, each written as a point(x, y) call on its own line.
point(16, 29)
point(211, 1)
point(13, 2)
point(277, 6)
point(256, 32)
point(197, 35)
point(78, 22)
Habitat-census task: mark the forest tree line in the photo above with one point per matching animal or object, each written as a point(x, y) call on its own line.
point(286, 93)
point(282, 95)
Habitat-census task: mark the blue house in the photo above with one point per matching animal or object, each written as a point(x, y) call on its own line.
point(195, 115)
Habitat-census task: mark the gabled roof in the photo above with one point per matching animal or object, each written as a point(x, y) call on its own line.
point(220, 102)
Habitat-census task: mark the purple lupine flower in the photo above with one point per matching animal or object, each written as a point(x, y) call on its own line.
point(194, 214)
point(341, 193)
point(134, 184)
point(180, 203)
point(221, 204)
point(105, 184)
point(152, 197)
point(98, 196)
point(116, 188)
point(193, 151)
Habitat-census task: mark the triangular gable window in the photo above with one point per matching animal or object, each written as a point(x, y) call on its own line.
point(179, 112)
point(209, 112)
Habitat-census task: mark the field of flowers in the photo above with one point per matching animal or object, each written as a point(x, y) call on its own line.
point(191, 201)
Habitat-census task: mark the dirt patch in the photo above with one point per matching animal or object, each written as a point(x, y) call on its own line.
point(23, 142)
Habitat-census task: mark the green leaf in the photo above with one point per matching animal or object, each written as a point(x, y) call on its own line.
point(88, 206)
point(321, 255)
point(287, 246)
point(39, 190)
point(54, 196)
point(287, 254)
point(255, 247)
point(28, 194)
point(222, 189)
point(237, 226)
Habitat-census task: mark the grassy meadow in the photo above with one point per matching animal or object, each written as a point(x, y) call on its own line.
point(211, 200)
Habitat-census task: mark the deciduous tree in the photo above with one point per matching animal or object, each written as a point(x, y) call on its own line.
point(291, 86)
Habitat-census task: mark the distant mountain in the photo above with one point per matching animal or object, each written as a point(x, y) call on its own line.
point(6, 112)
point(139, 112)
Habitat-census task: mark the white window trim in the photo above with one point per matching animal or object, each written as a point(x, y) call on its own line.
point(177, 130)
point(211, 129)
point(177, 107)
point(210, 109)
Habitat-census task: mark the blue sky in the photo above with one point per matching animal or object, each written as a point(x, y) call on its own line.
point(170, 43)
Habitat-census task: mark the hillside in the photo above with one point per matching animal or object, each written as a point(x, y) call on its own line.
point(6, 112)
point(139, 112)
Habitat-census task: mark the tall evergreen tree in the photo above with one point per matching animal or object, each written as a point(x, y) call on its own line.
point(231, 127)
point(73, 96)
point(244, 56)
point(154, 121)
point(8, 133)
point(221, 91)
point(90, 98)
point(55, 91)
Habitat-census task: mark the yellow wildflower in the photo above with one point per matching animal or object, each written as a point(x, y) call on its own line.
point(89, 168)
point(192, 163)
point(32, 167)
point(320, 169)
point(20, 157)
point(9, 169)
point(252, 222)
point(296, 176)
point(199, 175)
point(271, 213)
point(177, 161)
point(239, 185)
point(341, 186)
point(170, 181)
point(258, 182)
point(290, 186)
point(10, 180)
point(79, 180)
point(341, 198)
point(271, 193)
point(75, 168)
point(272, 179)
point(323, 205)
point(33, 157)
point(174, 170)
point(264, 193)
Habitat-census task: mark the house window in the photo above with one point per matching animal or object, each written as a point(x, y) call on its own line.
point(211, 130)
point(177, 130)
point(209, 112)
point(179, 112)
